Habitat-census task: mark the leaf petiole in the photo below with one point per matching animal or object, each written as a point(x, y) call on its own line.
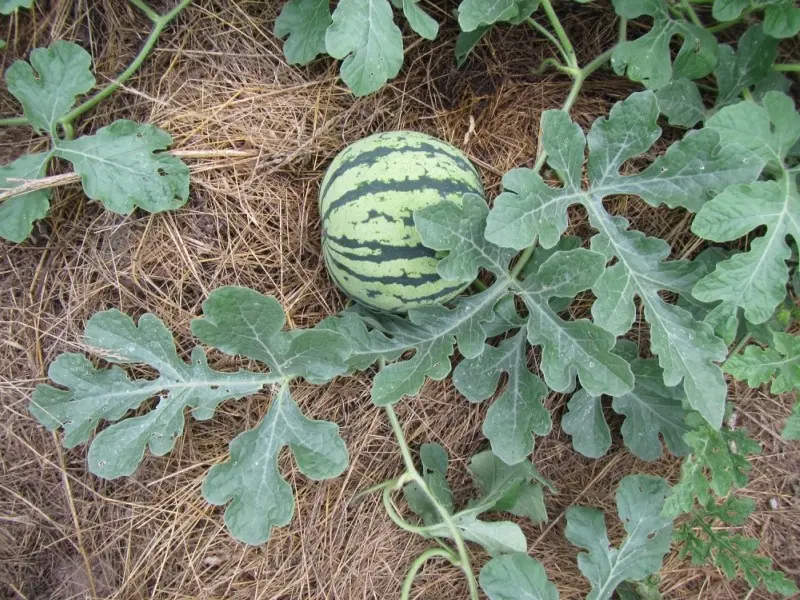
point(565, 43)
point(430, 553)
point(146, 9)
point(690, 12)
point(413, 474)
point(543, 30)
point(13, 121)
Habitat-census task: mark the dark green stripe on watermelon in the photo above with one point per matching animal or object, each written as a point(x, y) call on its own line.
point(387, 279)
point(383, 251)
point(371, 157)
point(445, 187)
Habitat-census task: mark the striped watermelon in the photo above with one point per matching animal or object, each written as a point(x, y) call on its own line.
point(371, 248)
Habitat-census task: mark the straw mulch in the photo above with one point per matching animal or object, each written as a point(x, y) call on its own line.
point(217, 81)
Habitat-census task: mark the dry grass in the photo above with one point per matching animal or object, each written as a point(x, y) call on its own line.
point(217, 80)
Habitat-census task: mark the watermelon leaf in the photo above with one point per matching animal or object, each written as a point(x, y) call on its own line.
point(570, 348)
point(743, 69)
point(779, 364)
point(585, 422)
point(518, 411)
point(93, 394)
point(648, 59)
point(368, 346)
point(576, 347)
point(305, 23)
point(501, 488)
point(516, 577)
point(364, 34)
point(17, 214)
point(460, 231)
point(122, 167)
point(530, 209)
point(640, 499)
point(791, 431)
point(48, 86)
point(119, 166)
point(420, 21)
point(237, 321)
point(240, 321)
point(781, 17)
point(650, 409)
point(431, 332)
point(434, 470)
point(475, 14)
point(754, 280)
point(703, 540)
point(259, 497)
point(718, 463)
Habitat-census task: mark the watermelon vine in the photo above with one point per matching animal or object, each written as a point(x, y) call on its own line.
point(123, 165)
point(737, 172)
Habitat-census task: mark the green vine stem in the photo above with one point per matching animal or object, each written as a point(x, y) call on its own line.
point(13, 121)
point(578, 77)
point(145, 8)
point(543, 30)
point(566, 44)
point(405, 592)
point(159, 23)
point(787, 67)
point(690, 12)
point(413, 475)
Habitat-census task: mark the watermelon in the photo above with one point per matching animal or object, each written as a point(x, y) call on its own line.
point(371, 189)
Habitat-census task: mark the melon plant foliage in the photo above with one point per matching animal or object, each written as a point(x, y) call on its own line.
point(733, 172)
point(123, 165)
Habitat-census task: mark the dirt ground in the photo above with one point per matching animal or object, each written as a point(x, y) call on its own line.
point(217, 81)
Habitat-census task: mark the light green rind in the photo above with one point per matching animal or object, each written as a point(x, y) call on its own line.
point(367, 198)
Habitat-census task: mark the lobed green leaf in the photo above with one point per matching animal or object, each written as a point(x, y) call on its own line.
point(779, 364)
point(718, 463)
point(691, 172)
point(364, 34)
point(648, 59)
point(640, 499)
point(93, 394)
point(754, 280)
point(17, 214)
point(62, 72)
point(650, 409)
point(259, 497)
point(303, 23)
point(121, 166)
